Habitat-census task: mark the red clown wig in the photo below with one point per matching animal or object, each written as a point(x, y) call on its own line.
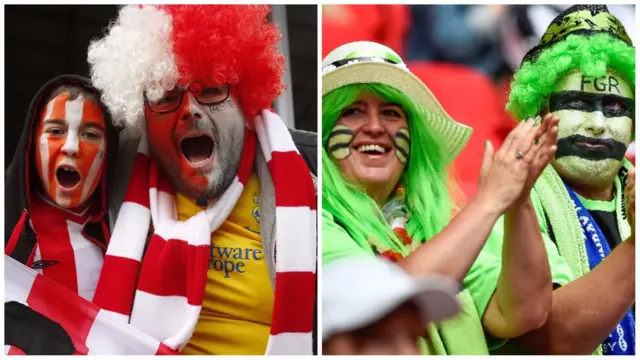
point(151, 48)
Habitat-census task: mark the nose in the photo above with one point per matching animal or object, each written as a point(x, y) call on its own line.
point(374, 126)
point(597, 123)
point(191, 109)
point(70, 147)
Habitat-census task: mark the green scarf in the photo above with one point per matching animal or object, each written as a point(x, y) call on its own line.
point(565, 224)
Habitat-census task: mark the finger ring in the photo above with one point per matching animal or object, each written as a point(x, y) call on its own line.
point(519, 155)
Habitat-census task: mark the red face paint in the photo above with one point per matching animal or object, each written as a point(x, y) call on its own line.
point(165, 132)
point(70, 149)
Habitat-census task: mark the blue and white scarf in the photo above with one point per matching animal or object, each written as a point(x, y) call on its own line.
point(622, 340)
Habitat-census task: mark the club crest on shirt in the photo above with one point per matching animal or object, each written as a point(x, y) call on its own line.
point(256, 209)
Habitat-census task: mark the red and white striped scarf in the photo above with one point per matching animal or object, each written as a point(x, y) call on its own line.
point(63, 251)
point(167, 297)
point(92, 331)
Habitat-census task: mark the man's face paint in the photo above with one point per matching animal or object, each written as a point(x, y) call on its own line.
point(70, 149)
point(596, 126)
point(199, 146)
point(365, 143)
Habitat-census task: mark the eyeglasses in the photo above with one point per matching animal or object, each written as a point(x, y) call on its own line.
point(172, 99)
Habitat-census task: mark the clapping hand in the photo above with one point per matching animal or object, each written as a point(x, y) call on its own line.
point(508, 174)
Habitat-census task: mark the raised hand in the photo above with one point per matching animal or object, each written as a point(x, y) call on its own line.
point(505, 174)
point(542, 152)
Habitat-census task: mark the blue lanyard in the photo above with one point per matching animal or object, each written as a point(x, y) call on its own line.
point(622, 340)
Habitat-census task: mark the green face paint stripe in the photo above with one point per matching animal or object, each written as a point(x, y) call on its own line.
point(402, 141)
point(339, 141)
point(340, 138)
point(401, 157)
point(337, 132)
point(403, 136)
point(338, 146)
point(341, 154)
point(340, 127)
point(403, 151)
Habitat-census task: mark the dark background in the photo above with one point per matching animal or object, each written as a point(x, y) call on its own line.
point(43, 41)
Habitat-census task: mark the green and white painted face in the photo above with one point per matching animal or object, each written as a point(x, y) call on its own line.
point(402, 140)
point(595, 129)
point(370, 142)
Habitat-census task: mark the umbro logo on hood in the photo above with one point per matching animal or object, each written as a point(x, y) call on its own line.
point(41, 264)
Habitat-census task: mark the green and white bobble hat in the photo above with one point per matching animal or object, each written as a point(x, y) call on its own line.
point(366, 62)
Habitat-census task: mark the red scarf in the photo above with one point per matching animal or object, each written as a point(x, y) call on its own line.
point(63, 251)
point(162, 293)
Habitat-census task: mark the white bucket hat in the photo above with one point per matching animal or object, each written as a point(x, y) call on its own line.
point(357, 292)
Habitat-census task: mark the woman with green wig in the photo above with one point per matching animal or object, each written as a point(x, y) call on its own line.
point(387, 144)
point(583, 71)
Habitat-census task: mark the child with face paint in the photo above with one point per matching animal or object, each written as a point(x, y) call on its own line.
point(218, 181)
point(386, 145)
point(583, 71)
point(56, 187)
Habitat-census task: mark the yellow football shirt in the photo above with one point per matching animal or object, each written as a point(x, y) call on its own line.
point(236, 313)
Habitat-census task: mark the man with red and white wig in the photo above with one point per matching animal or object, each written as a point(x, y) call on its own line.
point(214, 247)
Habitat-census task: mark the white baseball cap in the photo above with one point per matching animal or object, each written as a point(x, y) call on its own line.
point(357, 292)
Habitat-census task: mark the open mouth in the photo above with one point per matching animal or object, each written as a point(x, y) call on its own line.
point(592, 144)
point(373, 149)
point(68, 177)
point(197, 149)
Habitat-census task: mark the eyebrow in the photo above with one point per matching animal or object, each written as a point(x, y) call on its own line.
point(89, 123)
point(54, 121)
point(93, 124)
point(362, 102)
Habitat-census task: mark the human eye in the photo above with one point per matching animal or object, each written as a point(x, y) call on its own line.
point(391, 112)
point(91, 135)
point(615, 105)
point(352, 111)
point(55, 131)
point(576, 103)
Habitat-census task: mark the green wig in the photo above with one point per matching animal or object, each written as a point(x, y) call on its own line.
point(593, 55)
point(427, 198)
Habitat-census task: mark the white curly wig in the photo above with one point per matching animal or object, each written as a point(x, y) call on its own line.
point(134, 58)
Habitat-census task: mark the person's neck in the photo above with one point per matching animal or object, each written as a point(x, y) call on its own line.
point(77, 214)
point(594, 193)
point(379, 194)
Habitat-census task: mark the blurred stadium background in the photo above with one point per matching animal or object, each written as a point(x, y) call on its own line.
point(465, 54)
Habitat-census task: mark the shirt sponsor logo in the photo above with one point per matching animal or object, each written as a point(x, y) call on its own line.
point(232, 259)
